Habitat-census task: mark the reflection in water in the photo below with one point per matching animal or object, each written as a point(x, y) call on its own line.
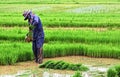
point(93, 72)
point(96, 72)
point(21, 73)
point(47, 74)
point(89, 9)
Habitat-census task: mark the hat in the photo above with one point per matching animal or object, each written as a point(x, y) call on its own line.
point(26, 13)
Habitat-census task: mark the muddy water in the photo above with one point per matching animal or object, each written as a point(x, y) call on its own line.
point(47, 74)
point(93, 72)
point(27, 73)
point(97, 66)
point(96, 72)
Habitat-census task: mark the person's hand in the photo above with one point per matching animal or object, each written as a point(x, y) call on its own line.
point(27, 39)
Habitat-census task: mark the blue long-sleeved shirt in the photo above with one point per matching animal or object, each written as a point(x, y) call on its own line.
point(38, 29)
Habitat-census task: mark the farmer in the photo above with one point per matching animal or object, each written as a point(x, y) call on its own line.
point(37, 36)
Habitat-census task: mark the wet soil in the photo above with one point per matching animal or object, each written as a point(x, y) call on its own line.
point(31, 65)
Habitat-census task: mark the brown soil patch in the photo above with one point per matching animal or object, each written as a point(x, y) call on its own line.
point(88, 60)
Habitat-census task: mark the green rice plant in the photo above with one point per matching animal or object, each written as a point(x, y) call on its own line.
point(81, 36)
point(84, 36)
point(117, 67)
point(96, 50)
point(3, 60)
point(77, 22)
point(83, 68)
point(11, 60)
point(59, 64)
point(23, 51)
point(57, 2)
point(73, 67)
point(60, 42)
point(56, 63)
point(44, 64)
point(114, 71)
point(11, 53)
point(50, 64)
point(63, 65)
point(77, 74)
point(77, 67)
point(63, 17)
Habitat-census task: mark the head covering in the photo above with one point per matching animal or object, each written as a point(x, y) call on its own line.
point(26, 13)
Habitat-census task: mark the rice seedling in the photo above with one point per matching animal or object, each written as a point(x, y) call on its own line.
point(114, 71)
point(77, 74)
point(64, 65)
point(11, 53)
point(57, 2)
point(60, 42)
point(72, 36)
point(77, 42)
point(63, 17)
point(69, 20)
point(23, 51)
point(97, 50)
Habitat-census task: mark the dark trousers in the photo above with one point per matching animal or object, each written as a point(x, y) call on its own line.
point(38, 50)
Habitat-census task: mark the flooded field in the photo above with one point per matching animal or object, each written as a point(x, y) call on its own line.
point(89, 9)
point(97, 68)
point(93, 72)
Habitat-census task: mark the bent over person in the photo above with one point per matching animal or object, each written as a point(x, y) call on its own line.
point(37, 35)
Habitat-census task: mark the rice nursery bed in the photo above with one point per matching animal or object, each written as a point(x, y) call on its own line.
point(23, 51)
point(58, 43)
point(68, 35)
point(71, 15)
point(57, 2)
point(56, 15)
